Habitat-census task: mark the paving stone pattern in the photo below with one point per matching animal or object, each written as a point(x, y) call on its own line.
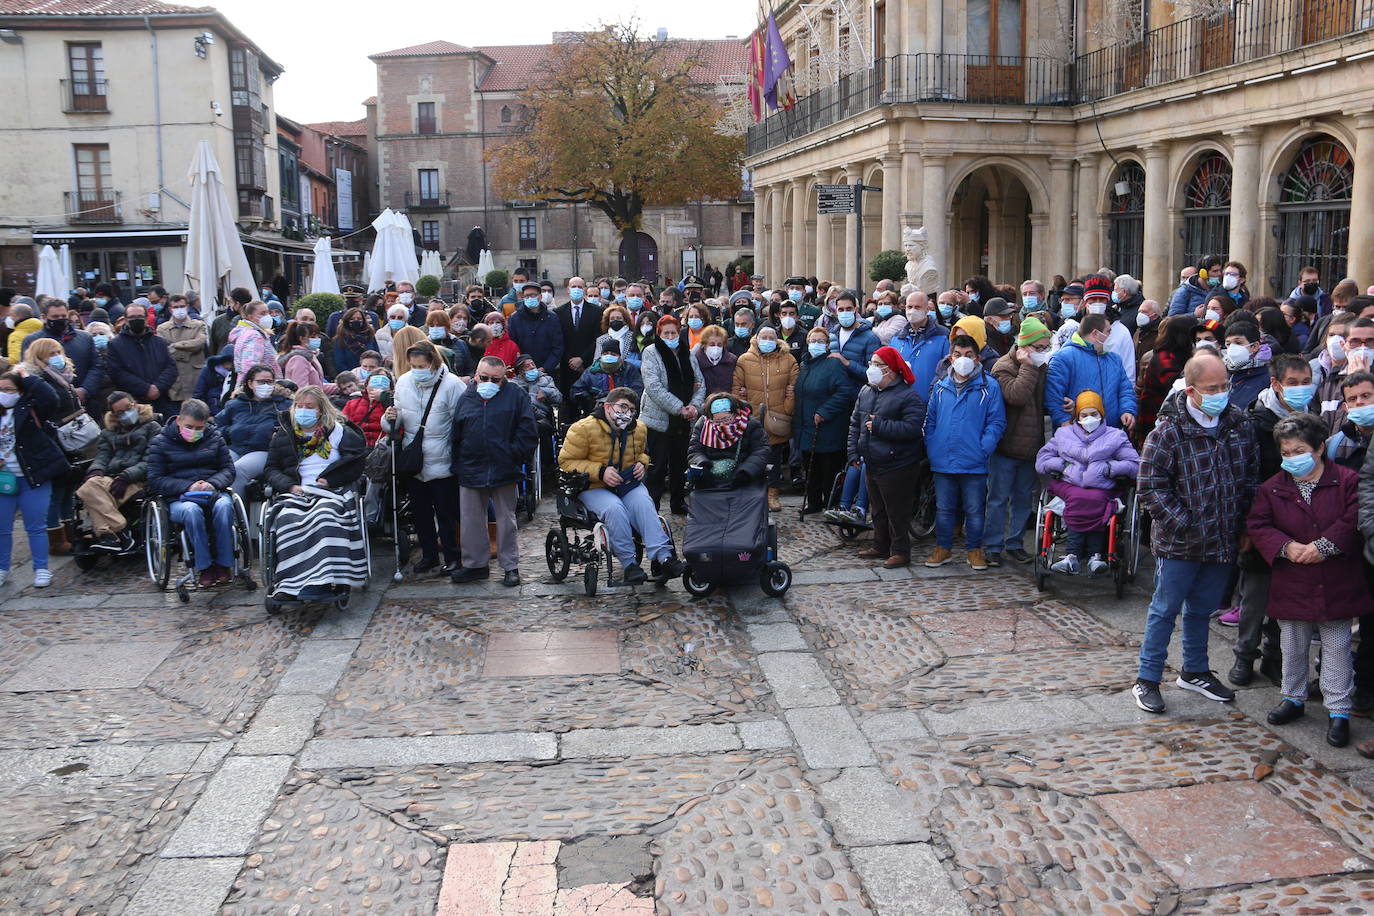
point(891, 742)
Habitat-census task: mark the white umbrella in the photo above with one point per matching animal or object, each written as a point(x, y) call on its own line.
point(64, 255)
point(50, 282)
point(433, 264)
point(323, 278)
point(393, 254)
point(214, 252)
point(367, 266)
point(485, 265)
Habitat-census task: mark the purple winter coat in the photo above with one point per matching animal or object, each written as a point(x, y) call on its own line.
point(1089, 460)
point(1334, 589)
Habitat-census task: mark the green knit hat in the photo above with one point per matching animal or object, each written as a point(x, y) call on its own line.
point(1032, 329)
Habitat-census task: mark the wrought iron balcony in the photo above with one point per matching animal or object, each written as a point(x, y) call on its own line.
point(420, 201)
point(93, 207)
point(84, 95)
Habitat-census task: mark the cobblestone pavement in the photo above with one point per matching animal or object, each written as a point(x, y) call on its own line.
point(877, 742)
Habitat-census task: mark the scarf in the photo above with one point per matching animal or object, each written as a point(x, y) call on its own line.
point(317, 443)
point(725, 435)
point(675, 363)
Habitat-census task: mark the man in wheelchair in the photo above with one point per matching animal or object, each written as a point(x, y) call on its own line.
point(190, 466)
point(119, 470)
point(609, 447)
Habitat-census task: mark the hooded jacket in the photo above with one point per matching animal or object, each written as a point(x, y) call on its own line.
point(1077, 368)
point(19, 338)
point(209, 383)
point(122, 451)
point(246, 422)
point(1092, 460)
point(1023, 398)
point(963, 424)
point(767, 381)
point(923, 348)
point(858, 349)
point(895, 442)
point(592, 445)
point(174, 464)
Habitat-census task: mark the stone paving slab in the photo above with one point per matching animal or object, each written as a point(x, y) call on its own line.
point(282, 726)
point(865, 809)
point(390, 752)
point(186, 887)
point(627, 742)
point(227, 817)
point(828, 737)
point(797, 680)
point(318, 666)
point(907, 880)
point(90, 666)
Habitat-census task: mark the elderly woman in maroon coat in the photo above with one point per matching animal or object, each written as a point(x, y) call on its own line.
point(1304, 523)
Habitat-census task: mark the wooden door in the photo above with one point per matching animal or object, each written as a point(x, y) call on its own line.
point(1218, 45)
point(1323, 19)
point(996, 71)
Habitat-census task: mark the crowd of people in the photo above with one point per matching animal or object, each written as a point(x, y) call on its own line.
point(1243, 423)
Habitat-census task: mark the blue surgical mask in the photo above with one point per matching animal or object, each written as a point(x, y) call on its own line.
point(1030, 303)
point(884, 311)
point(531, 375)
point(671, 344)
point(1116, 297)
point(1004, 326)
point(315, 342)
point(741, 332)
point(57, 362)
point(130, 416)
point(721, 405)
point(576, 294)
point(1300, 465)
point(437, 332)
point(1214, 404)
point(846, 319)
point(609, 362)
point(1298, 397)
point(817, 350)
point(619, 297)
point(795, 295)
point(974, 297)
point(1363, 416)
point(694, 323)
point(396, 324)
point(100, 341)
point(635, 303)
point(422, 375)
point(1068, 309)
point(531, 302)
point(487, 390)
point(605, 292)
point(767, 346)
point(946, 309)
point(306, 417)
point(380, 382)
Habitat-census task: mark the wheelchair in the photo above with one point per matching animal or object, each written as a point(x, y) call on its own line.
point(581, 538)
point(1123, 539)
point(337, 594)
point(87, 552)
point(165, 542)
point(922, 521)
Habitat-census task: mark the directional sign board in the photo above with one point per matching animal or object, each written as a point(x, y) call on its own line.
point(837, 198)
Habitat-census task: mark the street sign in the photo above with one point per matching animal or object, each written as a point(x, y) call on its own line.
point(836, 198)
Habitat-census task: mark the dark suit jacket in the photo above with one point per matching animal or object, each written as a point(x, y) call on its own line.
point(578, 341)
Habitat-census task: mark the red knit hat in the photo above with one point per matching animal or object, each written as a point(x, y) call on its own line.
point(667, 319)
point(894, 361)
point(1097, 288)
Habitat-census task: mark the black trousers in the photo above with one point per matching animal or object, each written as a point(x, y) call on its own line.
point(668, 463)
point(820, 468)
point(890, 497)
point(435, 502)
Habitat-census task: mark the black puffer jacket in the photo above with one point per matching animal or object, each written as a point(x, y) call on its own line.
point(174, 464)
point(123, 450)
point(752, 448)
point(40, 457)
point(898, 415)
point(284, 457)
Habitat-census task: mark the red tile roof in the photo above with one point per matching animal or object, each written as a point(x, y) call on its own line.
point(515, 64)
point(428, 49)
point(340, 128)
point(370, 100)
point(95, 8)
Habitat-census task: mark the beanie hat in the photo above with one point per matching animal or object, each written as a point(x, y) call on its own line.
point(894, 361)
point(1088, 399)
point(1097, 289)
point(974, 327)
point(1032, 329)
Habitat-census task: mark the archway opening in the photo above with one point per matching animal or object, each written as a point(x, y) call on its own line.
point(1314, 212)
point(1207, 209)
point(991, 231)
point(1126, 221)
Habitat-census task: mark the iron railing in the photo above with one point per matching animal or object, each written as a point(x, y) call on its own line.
point(93, 207)
point(437, 200)
point(84, 95)
point(1250, 30)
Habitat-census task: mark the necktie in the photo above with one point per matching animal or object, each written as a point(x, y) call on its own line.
point(577, 315)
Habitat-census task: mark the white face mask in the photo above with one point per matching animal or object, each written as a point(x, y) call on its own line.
point(874, 374)
point(713, 353)
point(546, 298)
point(180, 314)
point(1212, 315)
point(1236, 355)
point(405, 298)
point(1097, 309)
point(963, 366)
point(1038, 358)
point(915, 318)
point(1230, 281)
point(646, 328)
point(1143, 319)
point(1335, 345)
point(1089, 423)
point(788, 322)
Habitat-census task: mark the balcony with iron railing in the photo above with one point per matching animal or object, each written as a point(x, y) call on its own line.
point(419, 200)
point(80, 96)
point(93, 207)
point(1248, 31)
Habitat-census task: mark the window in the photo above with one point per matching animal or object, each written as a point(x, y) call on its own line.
point(529, 237)
point(429, 233)
point(425, 122)
point(1207, 209)
point(245, 80)
point(1127, 221)
point(1314, 212)
point(530, 266)
point(429, 185)
point(95, 196)
point(505, 114)
point(86, 70)
point(746, 228)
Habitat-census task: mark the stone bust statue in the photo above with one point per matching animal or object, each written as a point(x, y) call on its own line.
point(921, 270)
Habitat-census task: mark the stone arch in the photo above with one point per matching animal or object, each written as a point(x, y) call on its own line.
point(1188, 163)
point(1280, 157)
point(1105, 192)
point(1030, 179)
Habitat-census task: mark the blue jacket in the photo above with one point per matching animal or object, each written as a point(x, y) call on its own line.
point(1246, 385)
point(859, 349)
point(539, 334)
point(493, 439)
point(174, 464)
point(823, 387)
point(923, 351)
point(136, 362)
point(246, 422)
point(964, 425)
point(1077, 368)
point(1189, 295)
point(210, 383)
point(80, 349)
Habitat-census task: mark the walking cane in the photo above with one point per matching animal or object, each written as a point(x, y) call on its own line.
point(806, 469)
point(388, 400)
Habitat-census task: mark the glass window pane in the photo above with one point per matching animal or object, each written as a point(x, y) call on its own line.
point(1009, 28)
point(979, 27)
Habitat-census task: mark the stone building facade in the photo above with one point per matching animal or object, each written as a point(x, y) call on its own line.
point(1042, 138)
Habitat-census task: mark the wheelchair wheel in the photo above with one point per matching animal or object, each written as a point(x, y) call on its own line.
point(700, 588)
point(272, 606)
point(85, 560)
point(342, 596)
point(850, 532)
point(775, 579)
point(590, 574)
point(243, 544)
point(557, 554)
point(1042, 559)
point(157, 542)
point(922, 524)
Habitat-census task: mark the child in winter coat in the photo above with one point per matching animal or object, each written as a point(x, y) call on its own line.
point(544, 394)
point(1086, 457)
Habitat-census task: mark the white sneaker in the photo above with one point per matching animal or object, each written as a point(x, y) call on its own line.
point(1097, 566)
point(1067, 565)
point(42, 578)
point(4, 576)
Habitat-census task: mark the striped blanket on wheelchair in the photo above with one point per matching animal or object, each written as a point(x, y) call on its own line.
point(317, 539)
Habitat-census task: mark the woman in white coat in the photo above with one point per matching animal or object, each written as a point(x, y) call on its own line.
point(425, 398)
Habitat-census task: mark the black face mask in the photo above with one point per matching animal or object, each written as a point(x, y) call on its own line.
point(57, 326)
point(137, 325)
point(1311, 288)
point(617, 325)
point(356, 325)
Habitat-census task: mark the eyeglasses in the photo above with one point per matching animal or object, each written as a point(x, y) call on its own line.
point(489, 378)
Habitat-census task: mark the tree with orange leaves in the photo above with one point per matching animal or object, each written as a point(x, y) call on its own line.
point(620, 121)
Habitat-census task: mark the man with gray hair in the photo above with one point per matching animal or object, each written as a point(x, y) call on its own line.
point(1126, 299)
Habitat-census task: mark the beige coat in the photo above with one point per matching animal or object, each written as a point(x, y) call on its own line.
point(187, 344)
point(767, 383)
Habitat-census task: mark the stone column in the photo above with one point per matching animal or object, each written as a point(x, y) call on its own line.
point(911, 192)
point(1157, 260)
point(799, 256)
point(1089, 256)
point(1360, 251)
point(777, 254)
point(1060, 243)
point(936, 212)
point(853, 274)
point(1040, 251)
point(761, 227)
point(891, 235)
point(1245, 194)
point(825, 241)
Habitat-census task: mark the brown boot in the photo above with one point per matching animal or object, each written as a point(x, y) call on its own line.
point(976, 559)
point(491, 536)
point(939, 557)
point(58, 545)
point(774, 504)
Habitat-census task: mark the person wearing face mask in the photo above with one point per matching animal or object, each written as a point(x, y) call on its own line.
point(1127, 299)
point(1309, 284)
point(494, 437)
point(98, 378)
point(1070, 311)
point(617, 324)
point(1194, 290)
point(139, 362)
point(1011, 468)
point(77, 346)
point(252, 338)
point(119, 469)
point(717, 364)
point(1097, 301)
point(608, 371)
point(1247, 359)
point(545, 398)
point(1349, 444)
point(1033, 298)
point(978, 291)
point(246, 422)
point(186, 338)
point(610, 447)
point(673, 394)
point(766, 377)
point(924, 343)
point(46, 360)
point(807, 312)
point(439, 331)
point(313, 445)
point(22, 324)
point(189, 465)
point(355, 336)
point(887, 317)
point(579, 320)
point(1147, 322)
point(366, 412)
point(1350, 349)
point(824, 400)
point(397, 320)
point(964, 423)
point(742, 332)
point(695, 318)
point(1000, 328)
point(1087, 458)
point(535, 329)
point(949, 307)
point(852, 341)
point(1085, 365)
point(1305, 524)
point(30, 460)
point(1197, 480)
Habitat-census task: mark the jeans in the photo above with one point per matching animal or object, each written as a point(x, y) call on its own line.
point(248, 467)
point(1011, 489)
point(62, 504)
point(1193, 587)
point(854, 494)
point(1084, 544)
point(624, 517)
point(952, 493)
point(32, 503)
point(191, 517)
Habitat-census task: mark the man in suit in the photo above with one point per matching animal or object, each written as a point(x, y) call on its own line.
point(581, 325)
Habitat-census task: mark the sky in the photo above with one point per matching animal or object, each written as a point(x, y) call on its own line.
point(324, 47)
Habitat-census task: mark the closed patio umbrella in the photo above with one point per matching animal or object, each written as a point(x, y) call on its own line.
point(322, 278)
point(50, 281)
point(393, 254)
point(214, 253)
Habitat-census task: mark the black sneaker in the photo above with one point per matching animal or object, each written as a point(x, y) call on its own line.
point(1147, 696)
point(993, 559)
point(469, 574)
point(106, 542)
point(425, 564)
point(667, 569)
point(1207, 684)
point(511, 579)
point(634, 574)
point(1019, 555)
point(1241, 673)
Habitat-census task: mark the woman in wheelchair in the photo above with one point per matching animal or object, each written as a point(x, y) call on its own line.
point(119, 470)
point(311, 440)
point(190, 466)
point(1086, 458)
point(29, 460)
point(729, 448)
point(609, 447)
